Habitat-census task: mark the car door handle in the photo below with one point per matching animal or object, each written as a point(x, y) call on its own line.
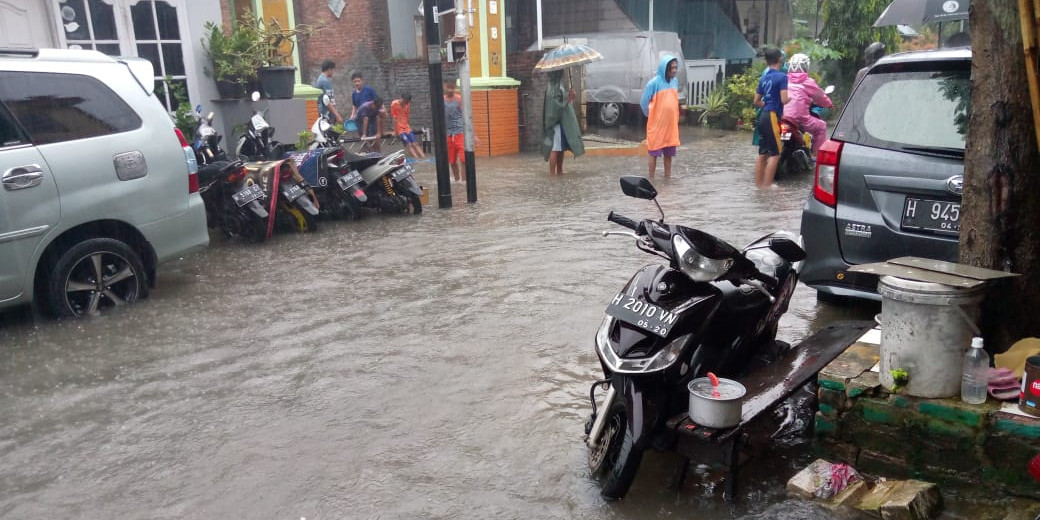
point(21, 177)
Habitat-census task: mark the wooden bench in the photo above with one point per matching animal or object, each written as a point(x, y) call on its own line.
point(767, 386)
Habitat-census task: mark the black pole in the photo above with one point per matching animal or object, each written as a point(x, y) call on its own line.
point(433, 58)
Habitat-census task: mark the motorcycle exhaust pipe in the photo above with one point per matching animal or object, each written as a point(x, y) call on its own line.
point(601, 418)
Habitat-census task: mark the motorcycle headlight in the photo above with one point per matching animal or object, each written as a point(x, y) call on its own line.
point(660, 361)
point(697, 266)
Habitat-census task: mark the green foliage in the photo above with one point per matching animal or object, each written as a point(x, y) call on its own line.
point(231, 55)
point(183, 117)
point(817, 52)
point(741, 89)
point(303, 139)
point(848, 29)
point(271, 44)
point(715, 104)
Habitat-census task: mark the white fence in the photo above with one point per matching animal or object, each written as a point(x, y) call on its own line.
point(703, 75)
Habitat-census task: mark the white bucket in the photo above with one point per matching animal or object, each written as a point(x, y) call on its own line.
point(925, 329)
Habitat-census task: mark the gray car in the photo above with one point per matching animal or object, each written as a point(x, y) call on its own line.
point(98, 186)
point(888, 182)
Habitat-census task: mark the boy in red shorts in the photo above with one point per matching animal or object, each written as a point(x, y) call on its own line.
point(454, 128)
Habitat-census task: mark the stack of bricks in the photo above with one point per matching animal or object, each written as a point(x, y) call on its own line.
point(892, 434)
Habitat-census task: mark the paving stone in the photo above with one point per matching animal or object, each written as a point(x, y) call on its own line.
point(1017, 425)
point(864, 385)
point(955, 411)
point(856, 359)
point(831, 402)
point(803, 484)
point(883, 411)
point(872, 501)
point(912, 500)
point(848, 498)
point(826, 426)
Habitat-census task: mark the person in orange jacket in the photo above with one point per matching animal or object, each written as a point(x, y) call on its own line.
point(660, 105)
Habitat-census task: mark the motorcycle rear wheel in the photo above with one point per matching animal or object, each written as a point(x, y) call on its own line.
point(415, 204)
point(616, 459)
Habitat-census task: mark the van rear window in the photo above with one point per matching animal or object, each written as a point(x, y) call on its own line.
point(918, 107)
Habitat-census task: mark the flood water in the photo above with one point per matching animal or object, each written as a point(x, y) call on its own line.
point(398, 367)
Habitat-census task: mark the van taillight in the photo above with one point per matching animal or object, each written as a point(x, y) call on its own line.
point(825, 187)
point(193, 166)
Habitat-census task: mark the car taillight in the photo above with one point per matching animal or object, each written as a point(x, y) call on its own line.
point(825, 187)
point(193, 165)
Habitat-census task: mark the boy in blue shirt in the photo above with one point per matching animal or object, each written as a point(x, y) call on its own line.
point(324, 82)
point(770, 97)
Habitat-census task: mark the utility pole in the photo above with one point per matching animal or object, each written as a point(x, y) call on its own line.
point(433, 57)
point(461, 36)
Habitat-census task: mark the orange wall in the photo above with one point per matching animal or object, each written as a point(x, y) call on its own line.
point(496, 122)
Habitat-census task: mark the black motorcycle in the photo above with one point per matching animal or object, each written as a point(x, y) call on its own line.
point(337, 185)
point(712, 309)
point(206, 142)
point(233, 202)
point(388, 181)
point(258, 142)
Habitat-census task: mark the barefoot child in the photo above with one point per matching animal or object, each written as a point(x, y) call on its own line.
point(401, 110)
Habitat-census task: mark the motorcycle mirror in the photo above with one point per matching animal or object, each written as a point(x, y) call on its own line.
point(829, 90)
point(209, 116)
point(787, 249)
point(255, 96)
point(638, 187)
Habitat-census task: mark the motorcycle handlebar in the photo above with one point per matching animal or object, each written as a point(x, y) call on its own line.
point(623, 221)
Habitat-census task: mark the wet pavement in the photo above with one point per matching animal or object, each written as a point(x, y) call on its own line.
point(397, 367)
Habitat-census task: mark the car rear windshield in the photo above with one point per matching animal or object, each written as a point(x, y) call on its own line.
point(914, 107)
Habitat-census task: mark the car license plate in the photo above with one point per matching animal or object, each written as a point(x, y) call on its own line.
point(939, 216)
point(403, 172)
point(647, 316)
point(292, 192)
point(349, 180)
point(247, 195)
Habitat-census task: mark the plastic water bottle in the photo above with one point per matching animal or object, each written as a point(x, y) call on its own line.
point(974, 379)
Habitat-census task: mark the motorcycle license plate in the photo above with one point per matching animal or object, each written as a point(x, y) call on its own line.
point(247, 195)
point(647, 316)
point(938, 216)
point(349, 180)
point(785, 136)
point(292, 192)
point(402, 172)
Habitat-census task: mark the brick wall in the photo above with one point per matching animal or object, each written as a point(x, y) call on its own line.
point(357, 41)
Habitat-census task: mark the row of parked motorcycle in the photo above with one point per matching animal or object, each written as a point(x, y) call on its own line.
point(268, 186)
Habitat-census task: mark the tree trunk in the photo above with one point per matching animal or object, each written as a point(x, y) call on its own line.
point(1001, 202)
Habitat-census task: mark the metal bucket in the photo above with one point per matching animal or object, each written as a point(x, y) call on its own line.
point(926, 329)
point(715, 412)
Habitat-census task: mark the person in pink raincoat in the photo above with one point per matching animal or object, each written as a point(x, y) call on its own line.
point(803, 92)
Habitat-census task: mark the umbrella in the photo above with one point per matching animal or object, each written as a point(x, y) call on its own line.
point(567, 55)
point(921, 12)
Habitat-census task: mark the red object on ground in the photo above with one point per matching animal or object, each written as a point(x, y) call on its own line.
point(1034, 467)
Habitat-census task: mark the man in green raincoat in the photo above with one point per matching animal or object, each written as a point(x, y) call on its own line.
point(560, 131)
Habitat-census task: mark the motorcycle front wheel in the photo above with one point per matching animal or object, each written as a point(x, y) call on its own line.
point(615, 458)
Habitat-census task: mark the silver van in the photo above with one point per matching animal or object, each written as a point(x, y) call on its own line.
point(98, 186)
point(614, 85)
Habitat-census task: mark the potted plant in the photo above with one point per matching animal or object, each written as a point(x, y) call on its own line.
point(272, 51)
point(231, 60)
point(715, 109)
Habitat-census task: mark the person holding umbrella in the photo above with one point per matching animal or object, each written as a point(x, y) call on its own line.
point(560, 130)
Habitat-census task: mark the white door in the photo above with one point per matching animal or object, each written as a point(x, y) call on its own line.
point(23, 25)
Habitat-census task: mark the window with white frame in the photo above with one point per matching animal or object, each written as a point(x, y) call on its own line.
point(150, 29)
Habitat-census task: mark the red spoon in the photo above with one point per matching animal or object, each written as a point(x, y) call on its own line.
point(714, 386)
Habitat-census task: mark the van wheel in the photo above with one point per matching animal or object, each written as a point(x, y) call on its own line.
point(609, 114)
point(95, 275)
